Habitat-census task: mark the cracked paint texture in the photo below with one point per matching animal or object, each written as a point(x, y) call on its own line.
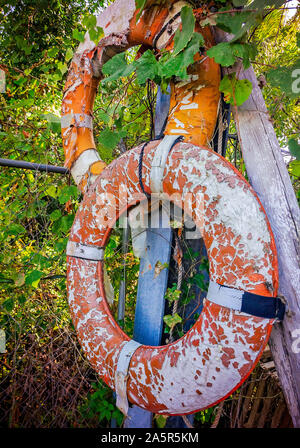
point(222, 348)
point(194, 102)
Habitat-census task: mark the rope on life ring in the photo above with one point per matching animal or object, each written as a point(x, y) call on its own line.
point(219, 352)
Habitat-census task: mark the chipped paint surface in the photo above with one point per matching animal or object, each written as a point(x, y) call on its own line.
point(114, 19)
point(220, 351)
point(194, 103)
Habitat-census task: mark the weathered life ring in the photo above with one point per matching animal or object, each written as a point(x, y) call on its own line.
point(222, 348)
point(199, 93)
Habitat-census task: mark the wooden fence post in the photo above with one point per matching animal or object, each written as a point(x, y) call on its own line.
point(269, 177)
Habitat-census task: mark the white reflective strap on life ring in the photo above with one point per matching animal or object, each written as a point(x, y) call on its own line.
point(78, 120)
point(79, 250)
point(139, 235)
point(159, 163)
point(174, 21)
point(121, 374)
point(83, 163)
point(225, 296)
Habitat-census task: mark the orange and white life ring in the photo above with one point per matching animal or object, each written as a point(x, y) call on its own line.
point(222, 348)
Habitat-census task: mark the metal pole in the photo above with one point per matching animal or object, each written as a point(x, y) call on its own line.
point(33, 166)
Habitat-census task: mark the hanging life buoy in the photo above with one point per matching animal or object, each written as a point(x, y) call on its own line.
point(222, 348)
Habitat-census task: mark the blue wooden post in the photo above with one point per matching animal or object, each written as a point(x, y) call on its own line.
point(148, 322)
point(150, 303)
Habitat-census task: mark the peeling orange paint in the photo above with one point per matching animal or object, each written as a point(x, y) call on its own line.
point(219, 352)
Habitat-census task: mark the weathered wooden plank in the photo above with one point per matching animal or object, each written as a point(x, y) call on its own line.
point(150, 305)
point(269, 177)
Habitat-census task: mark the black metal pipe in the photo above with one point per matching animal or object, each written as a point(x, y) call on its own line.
point(33, 166)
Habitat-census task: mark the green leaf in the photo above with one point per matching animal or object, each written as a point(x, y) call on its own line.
point(222, 54)
point(96, 34)
point(67, 193)
point(66, 222)
point(51, 191)
point(177, 66)
point(62, 67)
point(33, 278)
point(232, 23)
point(226, 53)
point(53, 51)
point(22, 299)
point(69, 54)
point(182, 37)
point(78, 35)
point(236, 92)
point(198, 280)
point(15, 229)
point(8, 304)
point(147, 67)
point(140, 4)
point(103, 116)
point(255, 17)
point(245, 51)
point(89, 21)
point(60, 246)
point(172, 294)
point(108, 140)
point(294, 168)
point(171, 321)
point(294, 148)
point(117, 67)
point(161, 421)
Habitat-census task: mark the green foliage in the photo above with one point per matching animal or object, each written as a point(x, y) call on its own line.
point(285, 79)
point(227, 54)
point(37, 210)
point(205, 417)
point(187, 44)
point(172, 320)
point(294, 148)
point(236, 91)
point(233, 23)
point(161, 420)
point(140, 4)
point(172, 294)
point(117, 67)
point(99, 406)
point(33, 278)
point(294, 168)
point(183, 36)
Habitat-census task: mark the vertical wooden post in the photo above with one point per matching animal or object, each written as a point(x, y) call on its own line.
point(150, 302)
point(269, 177)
